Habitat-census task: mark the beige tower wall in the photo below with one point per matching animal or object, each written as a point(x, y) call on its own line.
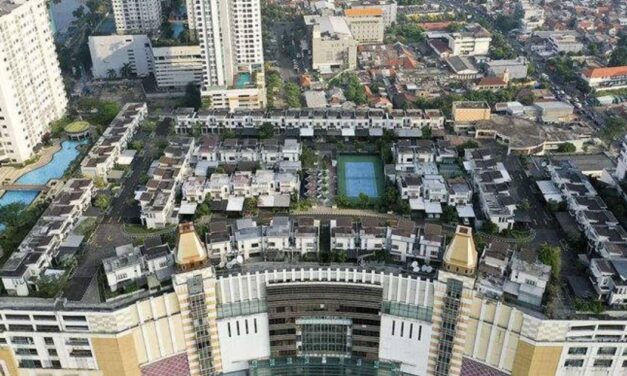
point(536, 360)
point(116, 356)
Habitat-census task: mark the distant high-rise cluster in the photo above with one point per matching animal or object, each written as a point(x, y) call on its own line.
point(137, 16)
point(31, 88)
point(229, 33)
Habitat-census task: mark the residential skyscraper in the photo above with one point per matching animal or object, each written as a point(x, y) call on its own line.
point(31, 88)
point(137, 16)
point(229, 33)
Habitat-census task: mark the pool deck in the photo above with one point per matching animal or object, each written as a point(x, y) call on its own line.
point(9, 175)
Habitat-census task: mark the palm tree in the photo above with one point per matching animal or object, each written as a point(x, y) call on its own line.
point(126, 70)
point(111, 73)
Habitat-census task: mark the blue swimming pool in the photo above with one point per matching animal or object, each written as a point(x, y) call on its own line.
point(243, 80)
point(54, 169)
point(177, 28)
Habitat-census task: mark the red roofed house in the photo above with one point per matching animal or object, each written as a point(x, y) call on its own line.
point(606, 78)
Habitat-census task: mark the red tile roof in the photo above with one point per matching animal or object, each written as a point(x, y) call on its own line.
point(606, 72)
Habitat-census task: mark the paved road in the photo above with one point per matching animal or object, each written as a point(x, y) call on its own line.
point(109, 234)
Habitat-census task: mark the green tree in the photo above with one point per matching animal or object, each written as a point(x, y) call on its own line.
point(449, 214)
point(505, 23)
point(102, 201)
point(490, 227)
point(551, 256)
point(126, 71)
point(250, 204)
point(364, 200)
point(192, 96)
point(614, 128)
point(619, 55)
point(567, 147)
point(292, 95)
point(355, 91)
point(340, 255)
point(266, 130)
point(308, 157)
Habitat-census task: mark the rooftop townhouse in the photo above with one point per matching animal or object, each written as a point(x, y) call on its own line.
point(104, 154)
point(430, 243)
point(308, 121)
point(306, 235)
point(344, 235)
point(609, 277)
point(157, 199)
point(148, 264)
point(607, 239)
point(514, 274)
point(269, 152)
point(41, 246)
point(402, 240)
point(250, 240)
point(373, 234)
point(490, 180)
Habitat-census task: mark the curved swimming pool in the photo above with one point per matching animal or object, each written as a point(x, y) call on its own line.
point(54, 169)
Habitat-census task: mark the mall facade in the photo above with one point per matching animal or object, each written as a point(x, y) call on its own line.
point(291, 320)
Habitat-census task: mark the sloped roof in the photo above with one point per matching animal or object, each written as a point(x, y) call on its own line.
point(189, 249)
point(461, 251)
point(606, 72)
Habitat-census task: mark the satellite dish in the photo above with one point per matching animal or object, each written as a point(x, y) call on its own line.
point(414, 264)
point(221, 265)
point(429, 269)
point(239, 259)
point(424, 268)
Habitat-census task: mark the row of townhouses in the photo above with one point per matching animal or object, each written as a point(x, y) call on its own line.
point(490, 179)
point(268, 152)
point(419, 180)
point(247, 239)
point(241, 184)
point(157, 199)
point(265, 319)
point(373, 121)
point(113, 142)
point(403, 240)
point(43, 244)
point(607, 239)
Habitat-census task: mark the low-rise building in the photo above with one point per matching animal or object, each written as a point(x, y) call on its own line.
point(528, 278)
point(148, 264)
point(516, 68)
point(157, 200)
point(431, 243)
point(177, 66)
point(472, 40)
point(366, 24)
point(470, 111)
point(606, 78)
point(333, 46)
point(564, 43)
point(115, 56)
point(41, 246)
point(310, 122)
point(103, 156)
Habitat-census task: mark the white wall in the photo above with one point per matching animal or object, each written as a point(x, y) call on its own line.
point(113, 51)
point(411, 351)
point(236, 350)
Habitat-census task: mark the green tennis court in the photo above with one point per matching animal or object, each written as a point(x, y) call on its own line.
point(360, 174)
